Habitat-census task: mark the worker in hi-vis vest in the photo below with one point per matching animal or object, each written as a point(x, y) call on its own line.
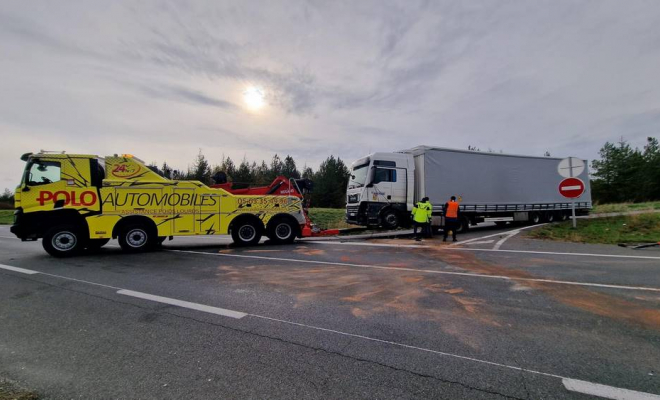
point(451, 210)
point(421, 215)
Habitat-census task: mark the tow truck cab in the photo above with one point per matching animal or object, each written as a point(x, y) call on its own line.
point(82, 201)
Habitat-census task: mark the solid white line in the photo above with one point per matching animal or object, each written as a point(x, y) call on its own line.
point(10, 237)
point(607, 392)
point(412, 246)
point(504, 239)
point(555, 253)
point(184, 304)
point(17, 269)
point(482, 242)
point(426, 271)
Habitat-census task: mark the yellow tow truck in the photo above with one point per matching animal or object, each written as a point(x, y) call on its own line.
point(75, 202)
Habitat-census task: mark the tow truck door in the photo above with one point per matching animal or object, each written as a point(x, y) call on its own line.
point(184, 211)
point(208, 216)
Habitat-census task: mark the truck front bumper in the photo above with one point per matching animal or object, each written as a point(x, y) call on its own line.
point(21, 228)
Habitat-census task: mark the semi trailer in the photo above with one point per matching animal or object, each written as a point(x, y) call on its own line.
point(490, 187)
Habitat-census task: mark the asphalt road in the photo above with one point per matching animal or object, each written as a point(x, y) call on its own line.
point(496, 316)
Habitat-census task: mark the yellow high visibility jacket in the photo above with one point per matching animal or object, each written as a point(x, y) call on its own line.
point(421, 212)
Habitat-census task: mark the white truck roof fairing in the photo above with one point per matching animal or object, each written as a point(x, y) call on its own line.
point(418, 150)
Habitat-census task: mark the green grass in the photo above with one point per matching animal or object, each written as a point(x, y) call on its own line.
point(329, 218)
point(639, 228)
point(623, 207)
point(6, 217)
point(8, 391)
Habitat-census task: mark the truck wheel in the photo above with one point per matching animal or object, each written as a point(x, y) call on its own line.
point(389, 219)
point(563, 216)
point(134, 238)
point(63, 241)
point(534, 218)
point(246, 233)
point(549, 217)
point(96, 244)
point(500, 224)
point(282, 231)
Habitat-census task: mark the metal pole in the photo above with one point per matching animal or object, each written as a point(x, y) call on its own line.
point(573, 214)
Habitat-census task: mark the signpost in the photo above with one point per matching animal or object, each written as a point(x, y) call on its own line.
point(571, 187)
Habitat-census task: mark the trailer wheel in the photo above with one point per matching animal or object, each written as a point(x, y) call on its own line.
point(549, 217)
point(134, 238)
point(563, 215)
point(534, 218)
point(63, 241)
point(246, 232)
point(500, 224)
point(282, 230)
point(389, 219)
point(96, 244)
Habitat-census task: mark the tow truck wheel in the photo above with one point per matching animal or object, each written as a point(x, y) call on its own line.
point(63, 241)
point(246, 233)
point(282, 231)
point(96, 244)
point(390, 219)
point(134, 238)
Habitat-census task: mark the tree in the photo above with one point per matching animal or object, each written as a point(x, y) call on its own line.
point(166, 170)
point(289, 168)
point(308, 173)
point(330, 183)
point(243, 174)
point(276, 167)
point(200, 171)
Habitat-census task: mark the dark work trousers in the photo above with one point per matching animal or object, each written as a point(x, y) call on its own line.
point(424, 229)
point(451, 224)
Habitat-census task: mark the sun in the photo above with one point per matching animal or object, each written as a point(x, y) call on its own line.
point(254, 98)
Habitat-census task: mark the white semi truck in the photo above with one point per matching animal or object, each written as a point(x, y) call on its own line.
point(501, 188)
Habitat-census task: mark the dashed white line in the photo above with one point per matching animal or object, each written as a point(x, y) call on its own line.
point(606, 392)
point(425, 271)
point(184, 304)
point(17, 269)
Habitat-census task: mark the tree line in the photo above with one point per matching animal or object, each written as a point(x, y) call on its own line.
point(330, 180)
point(626, 174)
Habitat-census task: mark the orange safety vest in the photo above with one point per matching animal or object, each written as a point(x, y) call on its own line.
point(452, 210)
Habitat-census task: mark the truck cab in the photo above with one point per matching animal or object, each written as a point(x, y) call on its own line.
point(380, 190)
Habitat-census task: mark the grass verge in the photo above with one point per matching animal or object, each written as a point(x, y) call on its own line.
point(329, 218)
point(6, 217)
point(639, 228)
point(623, 207)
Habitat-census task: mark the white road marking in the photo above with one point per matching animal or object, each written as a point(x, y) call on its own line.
point(412, 246)
point(570, 384)
point(606, 392)
point(504, 239)
point(481, 242)
point(555, 253)
point(425, 271)
point(10, 237)
point(17, 269)
point(184, 304)
point(517, 230)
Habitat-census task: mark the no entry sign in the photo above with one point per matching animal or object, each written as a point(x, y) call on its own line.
point(571, 188)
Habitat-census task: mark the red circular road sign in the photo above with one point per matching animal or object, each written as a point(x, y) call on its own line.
point(571, 188)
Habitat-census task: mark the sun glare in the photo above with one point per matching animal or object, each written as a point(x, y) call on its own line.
point(254, 98)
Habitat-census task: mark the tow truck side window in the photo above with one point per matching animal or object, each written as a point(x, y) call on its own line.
point(43, 173)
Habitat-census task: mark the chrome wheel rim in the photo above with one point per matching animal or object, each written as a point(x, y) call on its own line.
point(283, 231)
point(247, 233)
point(64, 241)
point(136, 238)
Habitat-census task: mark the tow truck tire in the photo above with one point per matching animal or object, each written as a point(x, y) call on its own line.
point(246, 232)
point(96, 244)
point(63, 241)
point(134, 238)
point(390, 219)
point(282, 230)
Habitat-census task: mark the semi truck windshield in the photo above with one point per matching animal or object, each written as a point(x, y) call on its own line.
point(358, 176)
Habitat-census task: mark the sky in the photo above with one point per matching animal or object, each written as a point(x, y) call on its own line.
point(165, 79)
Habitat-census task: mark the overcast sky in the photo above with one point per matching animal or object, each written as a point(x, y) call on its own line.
point(162, 80)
